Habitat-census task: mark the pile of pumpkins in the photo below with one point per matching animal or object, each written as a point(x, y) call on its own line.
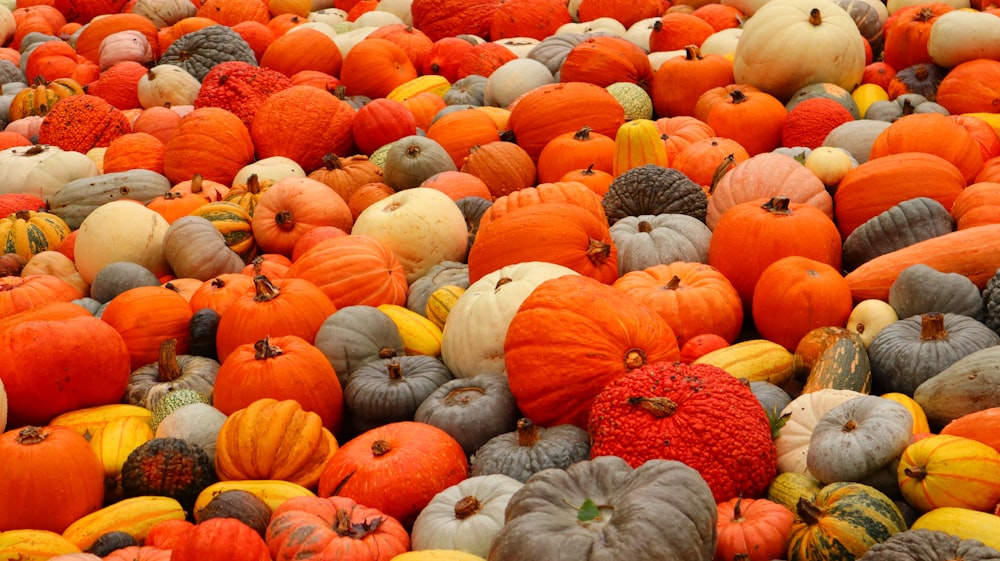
point(467, 280)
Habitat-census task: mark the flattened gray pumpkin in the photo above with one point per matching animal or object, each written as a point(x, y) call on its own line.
point(356, 335)
point(390, 390)
point(652, 189)
point(199, 51)
point(920, 289)
point(603, 509)
point(904, 224)
point(171, 372)
point(530, 449)
point(929, 545)
point(648, 240)
point(472, 410)
point(968, 385)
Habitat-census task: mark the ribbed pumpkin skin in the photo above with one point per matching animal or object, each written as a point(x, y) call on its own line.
point(303, 123)
point(581, 334)
point(944, 470)
point(548, 111)
point(854, 518)
point(209, 141)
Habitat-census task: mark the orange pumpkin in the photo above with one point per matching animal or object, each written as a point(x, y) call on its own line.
point(208, 141)
point(88, 43)
point(306, 49)
point(219, 293)
point(159, 122)
point(752, 235)
point(979, 425)
point(694, 299)
point(679, 132)
point(581, 334)
point(136, 150)
point(698, 73)
point(483, 59)
point(753, 529)
point(18, 294)
point(605, 60)
point(970, 87)
point(568, 151)
point(284, 367)
point(145, 316)
point(459, 131)
point(374, 67)
point(458, 184)
point(745, 114)
point(561, 233)
point(82, 122)
point(504, 167)
point(907, 31)
point(627, 12)
point(932, 133)
point(231, 12)
point(415, 43)
point(677, 30)
point(396, 468)
point(705, 160)
point(795, 295)
point(976, 205)
point(293, 206)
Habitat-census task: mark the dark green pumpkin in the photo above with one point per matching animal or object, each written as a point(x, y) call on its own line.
point(652, 189)
point(842, 522)
point(169, 467)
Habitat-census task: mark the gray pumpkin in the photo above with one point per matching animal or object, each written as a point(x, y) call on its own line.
point(9, 73)
point(968, 385)
point(199, 51)
point(652, 189)
point(913, 350)
point(647, 240)
point(356, 335)
point(473, 209)
point(115, 278)
point(149, 384)
point(604, 509)
point(530, 449)
point(929, 545)
point(75, 200)
point(390, 390)
point(906, 104)
point(469, 91)
point(991, 303)
point(444, 273)
point(904, 224)
point(920, 289)
point(472, 410)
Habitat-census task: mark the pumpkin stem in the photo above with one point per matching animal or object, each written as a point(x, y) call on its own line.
point(674, 283)
point(908, 107)
point(23, 214)
point(196, 183)
point(253, 184)
point(589, 170)
point(31, 435)
point(692, 52)
point(467, 506)
point(331, 161)
point(381, 447)
point(815, 16)
point(737, 510)
point(527, 432)
point(921, 73)
point(386, 352)
point(808, 511)
point(583, 134)
point(501, 282)
point(218, 282)
point(598, 251)
point(932, 327)
point(659, 407)
point(166, 363)
point(395, 370)
point(634, 358)
point(285, 220)
point(720, 171)
point(916, 472)
point(263, 349)
point(645, 227)
point(777, 205)
point(264, 288)
point(460, 396)
point(737, 96)
point(849, 426)
point(34, 150)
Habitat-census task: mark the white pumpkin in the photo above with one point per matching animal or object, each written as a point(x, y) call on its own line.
point(960, 35)
point(466, 516)
point(657, 58)
point(830, 164)
point(520, 46)
point(3, 408)
point(869, 317)
point(377, 18)
point(473, 337)
point(346, 40)
point(120, 231)
point(646, 240)
point(748, 7)
point(274, 168)
point(422, 227)
point(41, 169)
point(7, 25)
point(639, 31)
point(164, 13)
point(329, 16)
point(127, 45)
point(792, 443)
point(514, 78)
point(605, 24)
point(167, 84)
point(722, 42)
point(894, 5)
point(197, 423)
point(795, 43)
point(401, 8)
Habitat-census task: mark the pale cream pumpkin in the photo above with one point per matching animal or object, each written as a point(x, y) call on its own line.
point(792, 443)
point(869, 317)
point(164, 13)
point(7, 25)
point(962, 35)
point(121, 231)
point(513, 79)
point(422, 227)
point(795, 43)
point(473, 337)
point(167, 85)
point(41, 169)
point(830, 164)
point(127, 45)
point(269, 170)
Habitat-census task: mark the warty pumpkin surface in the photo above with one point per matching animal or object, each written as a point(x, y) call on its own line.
point(664, 410)
point(570, 337)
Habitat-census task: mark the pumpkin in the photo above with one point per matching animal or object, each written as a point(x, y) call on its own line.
point(167, 466)
point(755, 528)
point(240, 88)
point(803, 412)
point(646, 240)
point(19, 293)
point(662, 398)
point(277, 429)
point(50, 338)
point(41, 97)
point(472, 410)
point(902, 224)
point(835, 357)
point(460, 129)
point(794, 295)
point(355, 335)
point(465, 516)
point(920, 289)
point(196, 423)
point(167, 85)
point(375, 66)
point(977, 425)
point(787, 224)
point(844, 517)
point(334, 526)
point(579, 501)
point(959, 389)
point(281, 368)
point(857, 438)
point(47, 499)
point(929, 545)
point(779, 53)
point(930, 343)
point(693, 298)
point(698, 72)
point(912, 133)
point(353, 270)
point(811, 121)
point(592, 316)
point(390, 390)
point(412, 159)
point(234, 223)
point(209, 141)
point(946, 470)
point(504, 167)
point(144, 335)
point(752, 117)
point(81, 122)
point(421, 459)
point(216, 536)
point(968, 87)
point(150, 383)
point(41, 170)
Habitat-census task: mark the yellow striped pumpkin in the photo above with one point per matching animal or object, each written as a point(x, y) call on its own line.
point(34, 545)
point(944, 470)
point(637, 143)
point(135, 516)
point(28, 233)
point(754, 360)
point(234, 222)
point(440, 303)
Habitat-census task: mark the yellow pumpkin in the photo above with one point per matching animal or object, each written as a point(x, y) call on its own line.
point(28, 233)
point(920, 425)
point(420, 335)
point(440, 303)
point(950, 471)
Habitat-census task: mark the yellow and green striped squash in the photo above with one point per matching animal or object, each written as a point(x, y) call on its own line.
point(234, 223)
point(28, 233)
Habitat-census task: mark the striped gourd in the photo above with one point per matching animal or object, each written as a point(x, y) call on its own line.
point(34, 545)
point(842, 522)
point(134, 516)
point(965, 523)
point(28, 233)
point(638, 143)
point(233, 221)
point(944, 470)
point(440, 303)
point(788, 487)
point(843, 365)
point(754, 360)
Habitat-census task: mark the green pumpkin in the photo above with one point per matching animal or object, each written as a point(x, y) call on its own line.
point(842, 522)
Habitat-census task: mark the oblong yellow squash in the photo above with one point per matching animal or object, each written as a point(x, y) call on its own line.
point(962, 522)
point(920, 425)
point(420, 335)
point(135, 516)
point(34, 545)
point(274, 492)
point(437, 555)
point(440, 303)
point(755, 360)
point(88, 421)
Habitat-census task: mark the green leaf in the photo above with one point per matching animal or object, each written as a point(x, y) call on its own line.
point(588, 511)
point(777, 420)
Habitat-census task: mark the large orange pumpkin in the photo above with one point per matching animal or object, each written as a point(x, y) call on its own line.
point(353, 270)
point(146, 316)
point(18, 294)
point(208, 141)
point(569, 338)
point(606, 59)
point(745, 114)
point(698, 73)
point(293, 206)
point(374, 67)
point(932, 133)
